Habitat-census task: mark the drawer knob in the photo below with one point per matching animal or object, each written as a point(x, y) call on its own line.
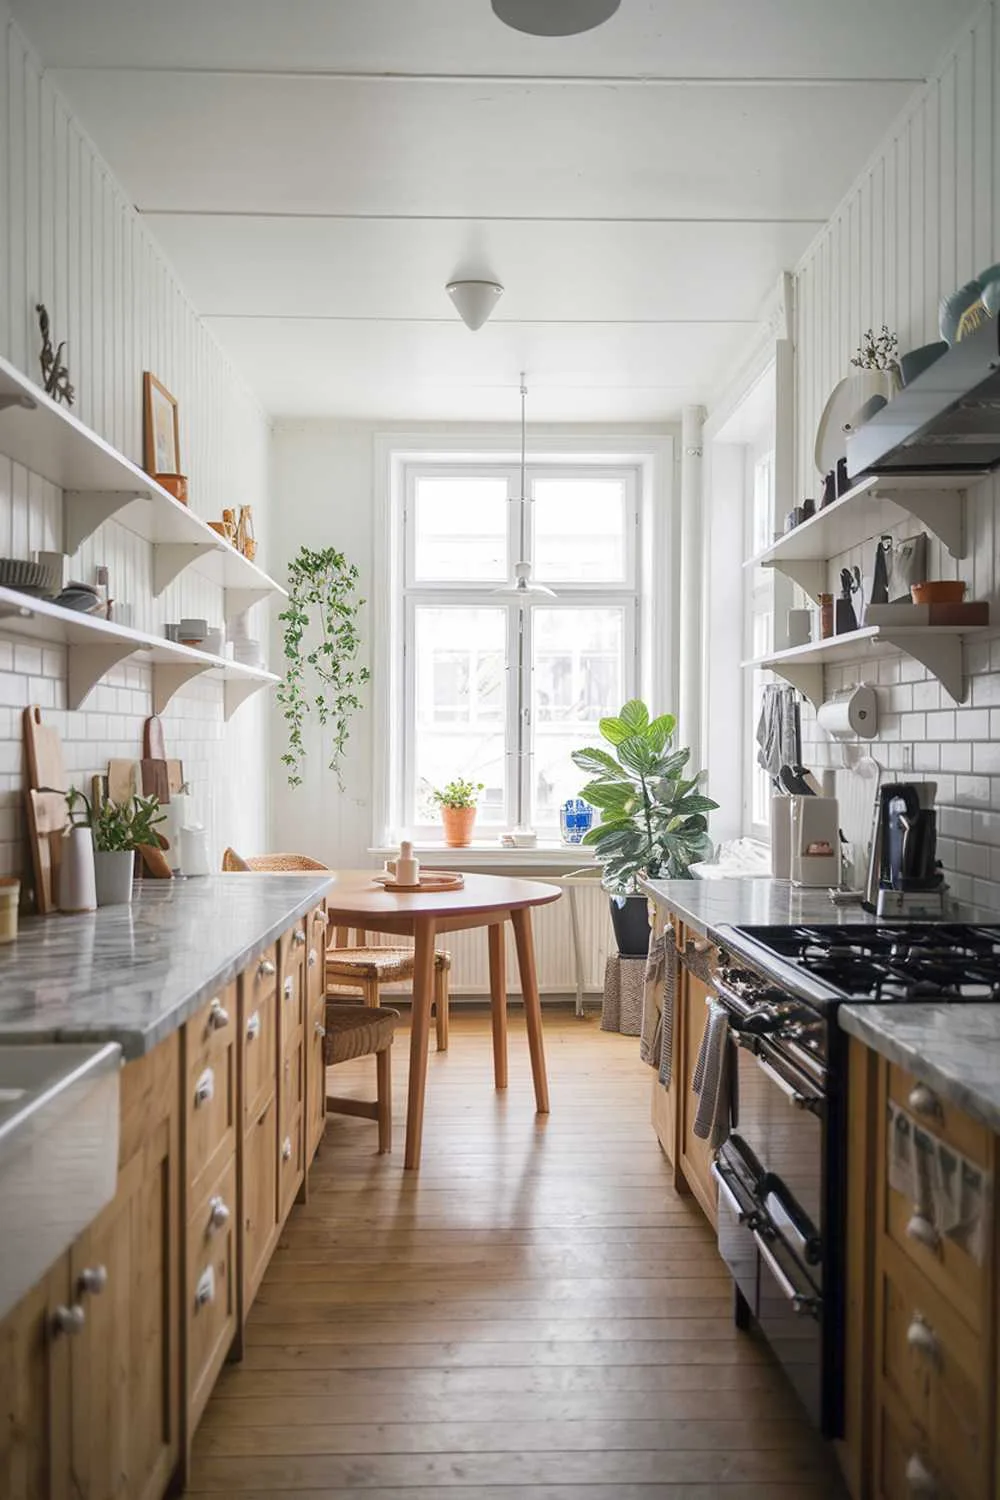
point(204, 1089)
point(253, 1025)
point(921, 1336)
point(923, 1231)
point(69, 1320)
point(698, 945)
point(218, 1015)
point(924, 1101)
point(299, 937)
point(266, 969)
point(286, 1148)
point(319, 1028)
point(312, 961)
point(289, 987)
point(92, 1280)
point(919, 1479)
point(218, 1213)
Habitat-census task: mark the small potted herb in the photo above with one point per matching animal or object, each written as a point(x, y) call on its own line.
point(653, 821)
point(457, 802)
point(118, 829)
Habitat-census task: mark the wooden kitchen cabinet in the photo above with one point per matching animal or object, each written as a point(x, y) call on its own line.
point(34, 1392)
point(663, 1101)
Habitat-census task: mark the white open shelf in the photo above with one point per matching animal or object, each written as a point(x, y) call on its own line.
point(98, 483)
point(94, 646)
point(871, 507)
point(937, 647)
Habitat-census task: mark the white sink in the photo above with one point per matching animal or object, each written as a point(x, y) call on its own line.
point(58, 1153)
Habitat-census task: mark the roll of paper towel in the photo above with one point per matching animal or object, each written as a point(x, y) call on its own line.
point(853, 712)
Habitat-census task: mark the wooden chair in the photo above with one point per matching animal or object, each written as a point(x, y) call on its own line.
point(358, 968)
point(352, 1031)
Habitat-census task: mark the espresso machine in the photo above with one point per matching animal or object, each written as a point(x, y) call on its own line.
point(904, 878)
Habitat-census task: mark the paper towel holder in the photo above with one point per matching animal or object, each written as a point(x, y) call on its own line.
point(854, 711)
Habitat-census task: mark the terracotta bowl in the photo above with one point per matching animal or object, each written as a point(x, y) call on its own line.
point(937, 591)
point(174, 484)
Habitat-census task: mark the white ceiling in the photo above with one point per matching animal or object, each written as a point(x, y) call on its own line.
point(317, 170)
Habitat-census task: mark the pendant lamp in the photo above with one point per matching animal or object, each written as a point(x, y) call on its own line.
point(521, 583)
point(554, 17)
point(474, 300)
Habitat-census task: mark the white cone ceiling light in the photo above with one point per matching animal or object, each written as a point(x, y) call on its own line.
point(555, 17)
point(475, 300)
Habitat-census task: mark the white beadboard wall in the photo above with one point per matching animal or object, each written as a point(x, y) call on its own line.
point(70, 238)
point(923, 219)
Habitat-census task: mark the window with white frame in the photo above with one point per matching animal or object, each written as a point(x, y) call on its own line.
point(500, 689)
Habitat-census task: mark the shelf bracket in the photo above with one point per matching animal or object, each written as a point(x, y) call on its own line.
point(805, 678)
point(941, 511)
point(85, 510)
point(86, 665)
point(238, 690)
point(808, 572)
point(238, 601)
point(940, 654)
point(170, 677)
point(171, 558)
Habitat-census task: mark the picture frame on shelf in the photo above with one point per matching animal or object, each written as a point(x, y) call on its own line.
point(161, 445)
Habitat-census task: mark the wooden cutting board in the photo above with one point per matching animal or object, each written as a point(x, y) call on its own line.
point(43, 753)
point(155, 772)
point(124, 780)
point(47, 816)
point(153, 744)
point(175, 775)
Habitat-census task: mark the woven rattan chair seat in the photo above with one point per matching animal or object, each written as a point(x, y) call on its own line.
point(357, 1031)
point(384, 964)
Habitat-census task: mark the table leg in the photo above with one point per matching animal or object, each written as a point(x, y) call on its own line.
point(498, 1002)
point(521, 918)
point(420, 1025)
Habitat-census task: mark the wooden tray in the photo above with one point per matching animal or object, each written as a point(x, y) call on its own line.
point(430, 880)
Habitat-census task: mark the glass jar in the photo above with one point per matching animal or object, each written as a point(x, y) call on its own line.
point(825, 616)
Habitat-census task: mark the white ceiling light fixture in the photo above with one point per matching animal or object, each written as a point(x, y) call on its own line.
point(521, 584)
point(475, 300)
point(554, 17)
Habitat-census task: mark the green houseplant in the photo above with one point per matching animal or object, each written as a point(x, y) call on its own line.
point(321, 642)
point(457, 801)
point(118, 830)
point(653, 817)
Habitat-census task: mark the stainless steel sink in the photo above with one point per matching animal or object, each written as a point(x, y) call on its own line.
point(58, 1153)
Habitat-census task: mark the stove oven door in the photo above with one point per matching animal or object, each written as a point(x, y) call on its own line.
point(789, 1314)
point(737, 1212)
point(780, 1114)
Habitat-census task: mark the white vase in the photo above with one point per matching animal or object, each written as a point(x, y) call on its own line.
point(113, 874)
point(76, 871)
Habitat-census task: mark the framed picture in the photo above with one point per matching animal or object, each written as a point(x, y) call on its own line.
point(160, 428)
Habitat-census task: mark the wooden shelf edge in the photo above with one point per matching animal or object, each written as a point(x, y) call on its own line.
point(937, 647)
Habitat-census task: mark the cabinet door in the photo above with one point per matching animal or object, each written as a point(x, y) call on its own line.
point(34, 1392)
point(124, 1371)
point(315, 1031)
point(695, 1154)
point(259, 1197)
point(210, 1289)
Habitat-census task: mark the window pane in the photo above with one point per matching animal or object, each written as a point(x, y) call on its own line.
point(579, 530)
point(460, 706)
point(460, 530)
point(578, 678)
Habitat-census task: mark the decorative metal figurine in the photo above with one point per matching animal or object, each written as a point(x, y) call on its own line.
point(55, 374)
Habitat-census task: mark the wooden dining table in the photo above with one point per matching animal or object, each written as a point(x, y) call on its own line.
point(490, 901)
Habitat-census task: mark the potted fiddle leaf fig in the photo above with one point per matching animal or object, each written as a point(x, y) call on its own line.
point(457, 802)
point(118, 829)
point(653, 817)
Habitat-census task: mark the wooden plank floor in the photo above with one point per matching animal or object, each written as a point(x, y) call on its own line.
point(534, 1314)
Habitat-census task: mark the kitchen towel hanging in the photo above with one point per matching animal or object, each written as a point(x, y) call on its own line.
point(670, 975)
point(711, 1080)
point(652, 999)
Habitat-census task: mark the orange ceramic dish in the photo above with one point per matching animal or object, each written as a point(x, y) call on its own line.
point(938, 591)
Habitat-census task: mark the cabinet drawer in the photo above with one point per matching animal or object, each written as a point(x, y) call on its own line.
point(260, 978)
point(944, 1262)
point(901, 1459)
point(939, 1116)
point(210, 1090)
point(932, 1368)
point(291, 1165)
point(315, 1059)
point(210, 1293)
point(259, 1196)
point(315, 931)
point(260, 1051)
point(292, 1003)
point(291, 1082)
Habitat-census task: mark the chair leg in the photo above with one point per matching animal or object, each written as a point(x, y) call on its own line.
point(370, 991)
point(441, 998)
point(383, 1074)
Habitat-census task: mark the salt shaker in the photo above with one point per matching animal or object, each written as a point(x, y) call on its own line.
point(407, 865)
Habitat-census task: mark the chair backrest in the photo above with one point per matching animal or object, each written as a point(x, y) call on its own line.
point(280, 863)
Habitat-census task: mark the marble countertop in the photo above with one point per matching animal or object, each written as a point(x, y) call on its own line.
point(133, 974)
point(955, 1049)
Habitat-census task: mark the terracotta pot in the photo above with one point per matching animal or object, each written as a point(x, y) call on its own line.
point(458, 823)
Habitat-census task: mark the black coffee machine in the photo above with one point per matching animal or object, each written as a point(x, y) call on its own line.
point(904, 879)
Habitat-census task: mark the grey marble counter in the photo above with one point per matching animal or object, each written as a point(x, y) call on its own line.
point(759, 901)
point(955, 1049)
point(133, 974)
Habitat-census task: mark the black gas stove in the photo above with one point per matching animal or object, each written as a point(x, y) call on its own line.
point(781, 1173)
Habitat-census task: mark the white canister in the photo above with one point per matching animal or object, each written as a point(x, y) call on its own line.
point(407, 865)
point(77, 886)
point(194, 851)
point(178, 814)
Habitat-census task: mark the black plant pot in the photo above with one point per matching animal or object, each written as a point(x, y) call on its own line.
point(631, 924)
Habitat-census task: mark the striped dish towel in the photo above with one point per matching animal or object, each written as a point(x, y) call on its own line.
point(711, 1081)
point(667, 1012)
point(652, 1000)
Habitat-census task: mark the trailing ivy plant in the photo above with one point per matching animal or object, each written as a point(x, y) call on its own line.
point(321, 647)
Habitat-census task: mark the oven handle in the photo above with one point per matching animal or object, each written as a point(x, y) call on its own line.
point(812, 1102)
point(803, 1305)
point(747, 1216)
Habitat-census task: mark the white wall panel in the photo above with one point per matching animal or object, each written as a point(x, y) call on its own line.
point(70, 238)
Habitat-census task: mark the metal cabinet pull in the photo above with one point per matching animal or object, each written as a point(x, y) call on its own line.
point(298, 937)
point(812, 1102)
point(924, 1101)
point(218, 1213)
point(266, 969)
point(289, 987)
point(919, 1479)
point(312, 960)
point(319, 1028)
point(921, 1336)
point(286, 1148)
point(204, 1089)
point(218, 1016)
point(253, 1025)
point(69, 1320)
point(924, 1231)
point(698, 945)
point(800, 1304)
point(92, 1280)
point(204, 1292)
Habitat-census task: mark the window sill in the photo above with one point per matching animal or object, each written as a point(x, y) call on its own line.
point(484, 855)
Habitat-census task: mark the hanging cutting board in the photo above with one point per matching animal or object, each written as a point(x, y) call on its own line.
point(124, 780)
point(44, 762)
point(153, 744)
point(155, 772)
point(47, 816)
